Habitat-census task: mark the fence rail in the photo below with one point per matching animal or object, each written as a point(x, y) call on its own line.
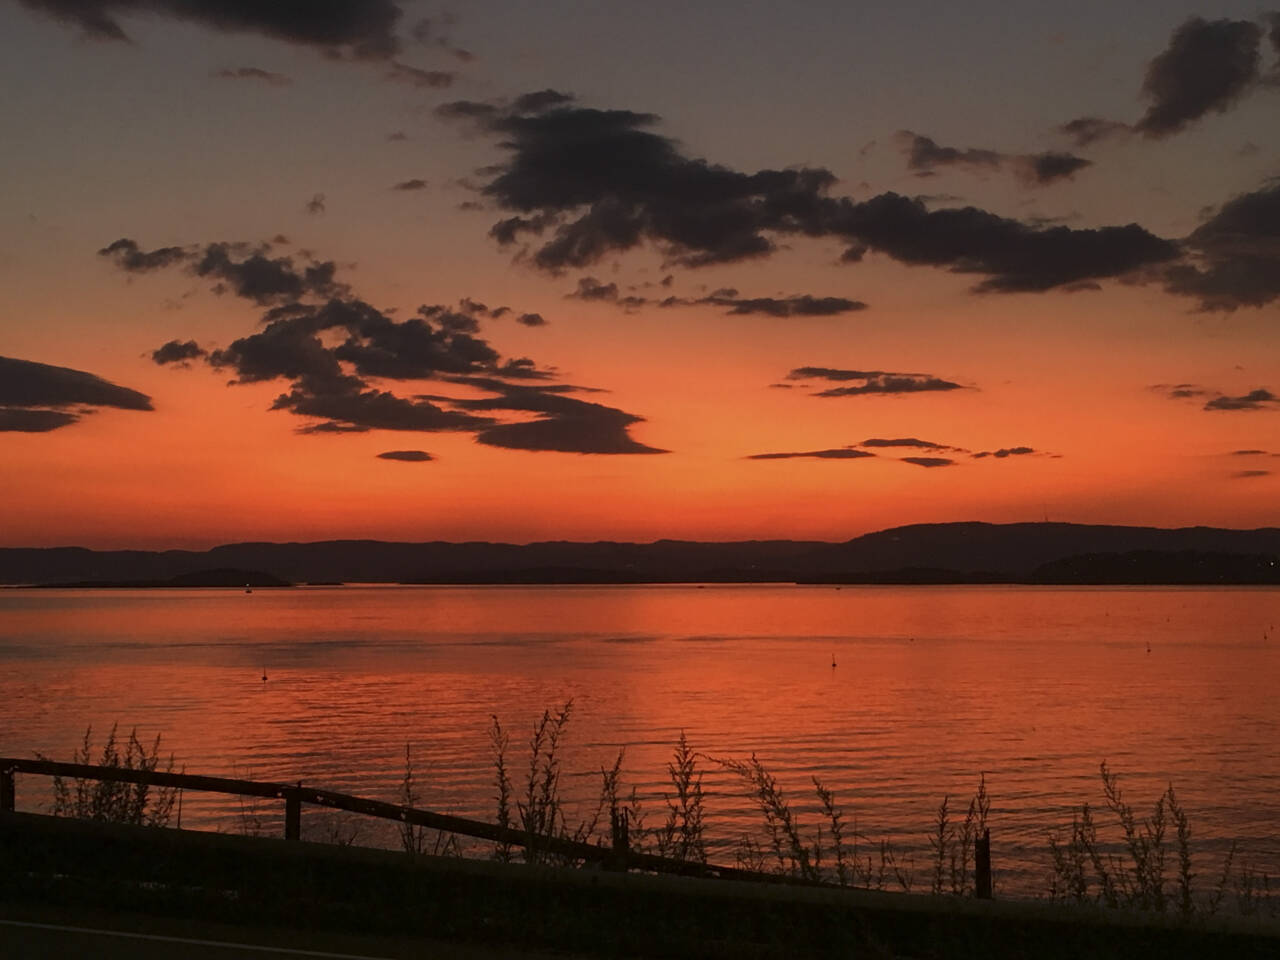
point(618, 855)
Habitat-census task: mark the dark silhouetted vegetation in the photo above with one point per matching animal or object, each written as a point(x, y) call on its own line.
point(1133, 871)
point(111, 801)
point(1133, 862)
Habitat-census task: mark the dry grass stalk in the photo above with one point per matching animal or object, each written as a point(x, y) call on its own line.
point(114, 801)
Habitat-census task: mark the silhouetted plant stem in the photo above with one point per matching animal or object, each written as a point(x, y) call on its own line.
point(498, 743)
point(115, 801)
point(681, 835)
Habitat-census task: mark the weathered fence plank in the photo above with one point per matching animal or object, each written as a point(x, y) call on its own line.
point(295, 795)
point(982, 866)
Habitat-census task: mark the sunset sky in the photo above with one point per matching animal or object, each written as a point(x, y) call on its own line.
point(629, 271)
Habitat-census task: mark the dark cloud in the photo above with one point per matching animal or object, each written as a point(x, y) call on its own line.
point(872, 382)
point(1248, 453)
point(346, 404)
point(397, 136)
point(800, 305)
point(1245, 474)
point(406, 456)
point(315, 205)
point(24, 383)
point(1050, 167)
point(832, 373)
point(416, 77)
point(1253, 400)
point(363, 29)
point(414, 184)
point(523, 368)
point(541, 100)
point(247, 271)
point(1234, 256)
point(1086, 131)
point(254, 73)
point(128, 256)
point(1014, 256)
point(329, 345)
point(33, 396)
point(256, 276)
point(531, 319)
point(603, 431)
point(177, 351)
point(1259, 399)
point(925, 156)
point(1004, 452)
point(564, 424)
point(839, 453)
point(471, 308)
point(892, 384)
point(584, 184)
point(589, 288)
point(23, 420)
point(929, 461)
point(1180, 391)
point(1206, 68)
point(625, 184)
point(416, 348)
point(904, 442)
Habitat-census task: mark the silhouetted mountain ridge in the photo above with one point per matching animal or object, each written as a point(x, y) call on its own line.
point(991, 551)
point(1164, 567)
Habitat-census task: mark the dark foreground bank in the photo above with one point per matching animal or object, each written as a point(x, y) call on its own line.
point(321, 889)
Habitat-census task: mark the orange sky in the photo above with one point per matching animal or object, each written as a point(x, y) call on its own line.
point(146, 140)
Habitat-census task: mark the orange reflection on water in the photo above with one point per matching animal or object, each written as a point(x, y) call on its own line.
point(932, 686)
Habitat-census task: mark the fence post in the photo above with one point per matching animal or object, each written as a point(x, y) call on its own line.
point(982, 865)
point(621, 841)
point(7, 791)
point(292, 815)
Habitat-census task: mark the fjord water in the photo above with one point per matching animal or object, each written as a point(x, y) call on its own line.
point(932, 686)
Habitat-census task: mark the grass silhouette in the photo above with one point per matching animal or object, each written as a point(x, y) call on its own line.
point(1133, 862)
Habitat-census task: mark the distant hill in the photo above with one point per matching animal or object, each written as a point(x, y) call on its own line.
point(1153, 566)
point(199, 578)
point(945, 552)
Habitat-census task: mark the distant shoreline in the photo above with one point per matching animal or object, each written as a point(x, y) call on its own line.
point(871, 580)
point(923, 554)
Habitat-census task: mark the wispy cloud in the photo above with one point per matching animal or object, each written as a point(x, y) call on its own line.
point(872, 382)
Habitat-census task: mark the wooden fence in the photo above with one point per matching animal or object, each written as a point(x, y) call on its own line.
point(617, 856)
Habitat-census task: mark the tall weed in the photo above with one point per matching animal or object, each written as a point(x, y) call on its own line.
point(114, 801)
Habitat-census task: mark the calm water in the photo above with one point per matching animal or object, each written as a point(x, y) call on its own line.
point(933, 686)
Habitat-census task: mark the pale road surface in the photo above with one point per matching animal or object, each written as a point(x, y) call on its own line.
point(29, 932)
